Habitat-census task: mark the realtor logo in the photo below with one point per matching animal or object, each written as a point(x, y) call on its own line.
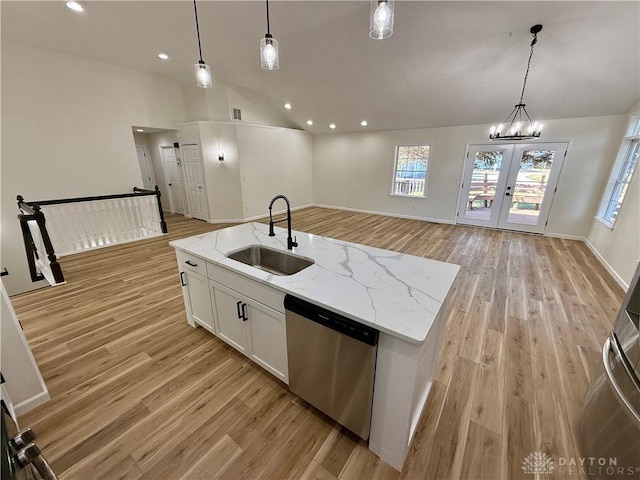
point(537, 463)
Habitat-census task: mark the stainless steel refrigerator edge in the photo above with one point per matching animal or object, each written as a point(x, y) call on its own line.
point(610, 422)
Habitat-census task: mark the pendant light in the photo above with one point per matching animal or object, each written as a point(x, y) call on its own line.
point(269, 49)
point(381, 19)
point(203, 72)
point(519, 125)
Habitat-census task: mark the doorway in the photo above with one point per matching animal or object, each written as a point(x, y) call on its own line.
point(194, 181)
point(146, 169)
point(174, 179)
point(510, 186)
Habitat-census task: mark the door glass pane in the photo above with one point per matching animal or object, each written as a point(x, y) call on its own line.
point(482, 190)
point(530, 187)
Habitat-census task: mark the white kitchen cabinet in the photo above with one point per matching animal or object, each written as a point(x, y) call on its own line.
point(197, 300)
point(253, 328)
point(231, 326)
point(268, 339)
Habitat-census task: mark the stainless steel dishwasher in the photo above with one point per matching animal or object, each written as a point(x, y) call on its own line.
point(332, 363)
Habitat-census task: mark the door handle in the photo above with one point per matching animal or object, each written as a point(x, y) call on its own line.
point(188, 262)
point(238, 308)
point(182, 280)
point(244, 313)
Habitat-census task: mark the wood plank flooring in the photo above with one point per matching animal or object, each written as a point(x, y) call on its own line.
point(139, 394)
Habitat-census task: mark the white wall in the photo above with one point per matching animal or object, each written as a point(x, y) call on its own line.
point(355, 170)
point(259, 163)
point(252, 113)
point(223, 178)
point(66, 132)
point(619, 247)
point(274, 161)
point(25, 386)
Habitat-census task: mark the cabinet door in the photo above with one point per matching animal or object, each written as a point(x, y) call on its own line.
point(199, 307)
point(231, 326)
point(267, 333)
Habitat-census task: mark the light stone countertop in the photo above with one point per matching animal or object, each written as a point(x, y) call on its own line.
point(395, 293)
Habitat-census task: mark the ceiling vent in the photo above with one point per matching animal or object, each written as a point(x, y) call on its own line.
point(237, 114)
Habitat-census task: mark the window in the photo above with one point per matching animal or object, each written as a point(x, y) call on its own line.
point(621, 175)
point(410, 170)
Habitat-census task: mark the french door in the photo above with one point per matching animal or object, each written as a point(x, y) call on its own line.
point(510, 186)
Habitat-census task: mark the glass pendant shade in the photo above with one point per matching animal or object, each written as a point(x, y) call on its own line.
point(203, 75)
point(381, 19)
point(269, 53)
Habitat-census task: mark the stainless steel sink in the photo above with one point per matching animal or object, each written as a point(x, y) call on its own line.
point(271, 260)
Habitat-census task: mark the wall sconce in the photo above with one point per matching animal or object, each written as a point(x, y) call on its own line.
point(221, 156)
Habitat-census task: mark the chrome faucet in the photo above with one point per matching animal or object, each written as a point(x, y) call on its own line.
point(291, 242)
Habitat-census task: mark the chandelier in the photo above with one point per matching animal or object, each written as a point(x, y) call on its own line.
point(518, 125)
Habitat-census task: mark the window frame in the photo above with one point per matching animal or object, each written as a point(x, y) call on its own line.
point(395, 167)
point(629, 153)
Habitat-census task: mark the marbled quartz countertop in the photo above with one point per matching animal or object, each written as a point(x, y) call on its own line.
point(395, 293)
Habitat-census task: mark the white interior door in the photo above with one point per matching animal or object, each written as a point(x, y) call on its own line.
point(510, 186)
point(486, 171)
point(174, 179)
point(533, 177)
point(146, 170)
point(194, 180)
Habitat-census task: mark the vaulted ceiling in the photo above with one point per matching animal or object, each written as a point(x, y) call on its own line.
point(447, 63)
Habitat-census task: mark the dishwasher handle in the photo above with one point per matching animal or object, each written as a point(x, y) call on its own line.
point(332, 320)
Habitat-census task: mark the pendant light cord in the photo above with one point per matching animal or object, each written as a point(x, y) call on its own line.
point(195, 9)
point(268, 31)
point(526, 74)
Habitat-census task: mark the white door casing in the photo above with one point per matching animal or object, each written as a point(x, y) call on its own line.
point(146, 169)
point(194, 181)
point(171, 166)
point(510, 186)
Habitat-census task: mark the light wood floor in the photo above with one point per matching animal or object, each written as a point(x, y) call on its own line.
point(137, 393)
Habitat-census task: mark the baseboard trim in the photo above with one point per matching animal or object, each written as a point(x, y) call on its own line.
point(31, 403)
point(385, 214)
point(565, 236)
point(225, 220)
point(606, 265)
point(265, 215)
point(256, 217)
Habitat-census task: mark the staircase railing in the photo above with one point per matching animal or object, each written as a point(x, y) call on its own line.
point(53, 228)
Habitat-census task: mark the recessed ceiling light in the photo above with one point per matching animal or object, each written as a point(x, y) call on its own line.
point(364, 123)
point(139, 130)
point(287, 106)
point(309, 122)
point(75, 6)
point(332, 126)
point(163, 56)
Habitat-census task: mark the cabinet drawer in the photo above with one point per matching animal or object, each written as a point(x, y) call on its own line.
point(191, 262)
point(268, 296)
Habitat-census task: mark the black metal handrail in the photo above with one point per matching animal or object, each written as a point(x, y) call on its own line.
point(32, 211)
point(30, 246)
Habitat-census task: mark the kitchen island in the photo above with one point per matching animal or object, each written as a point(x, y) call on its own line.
point(401, 296)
